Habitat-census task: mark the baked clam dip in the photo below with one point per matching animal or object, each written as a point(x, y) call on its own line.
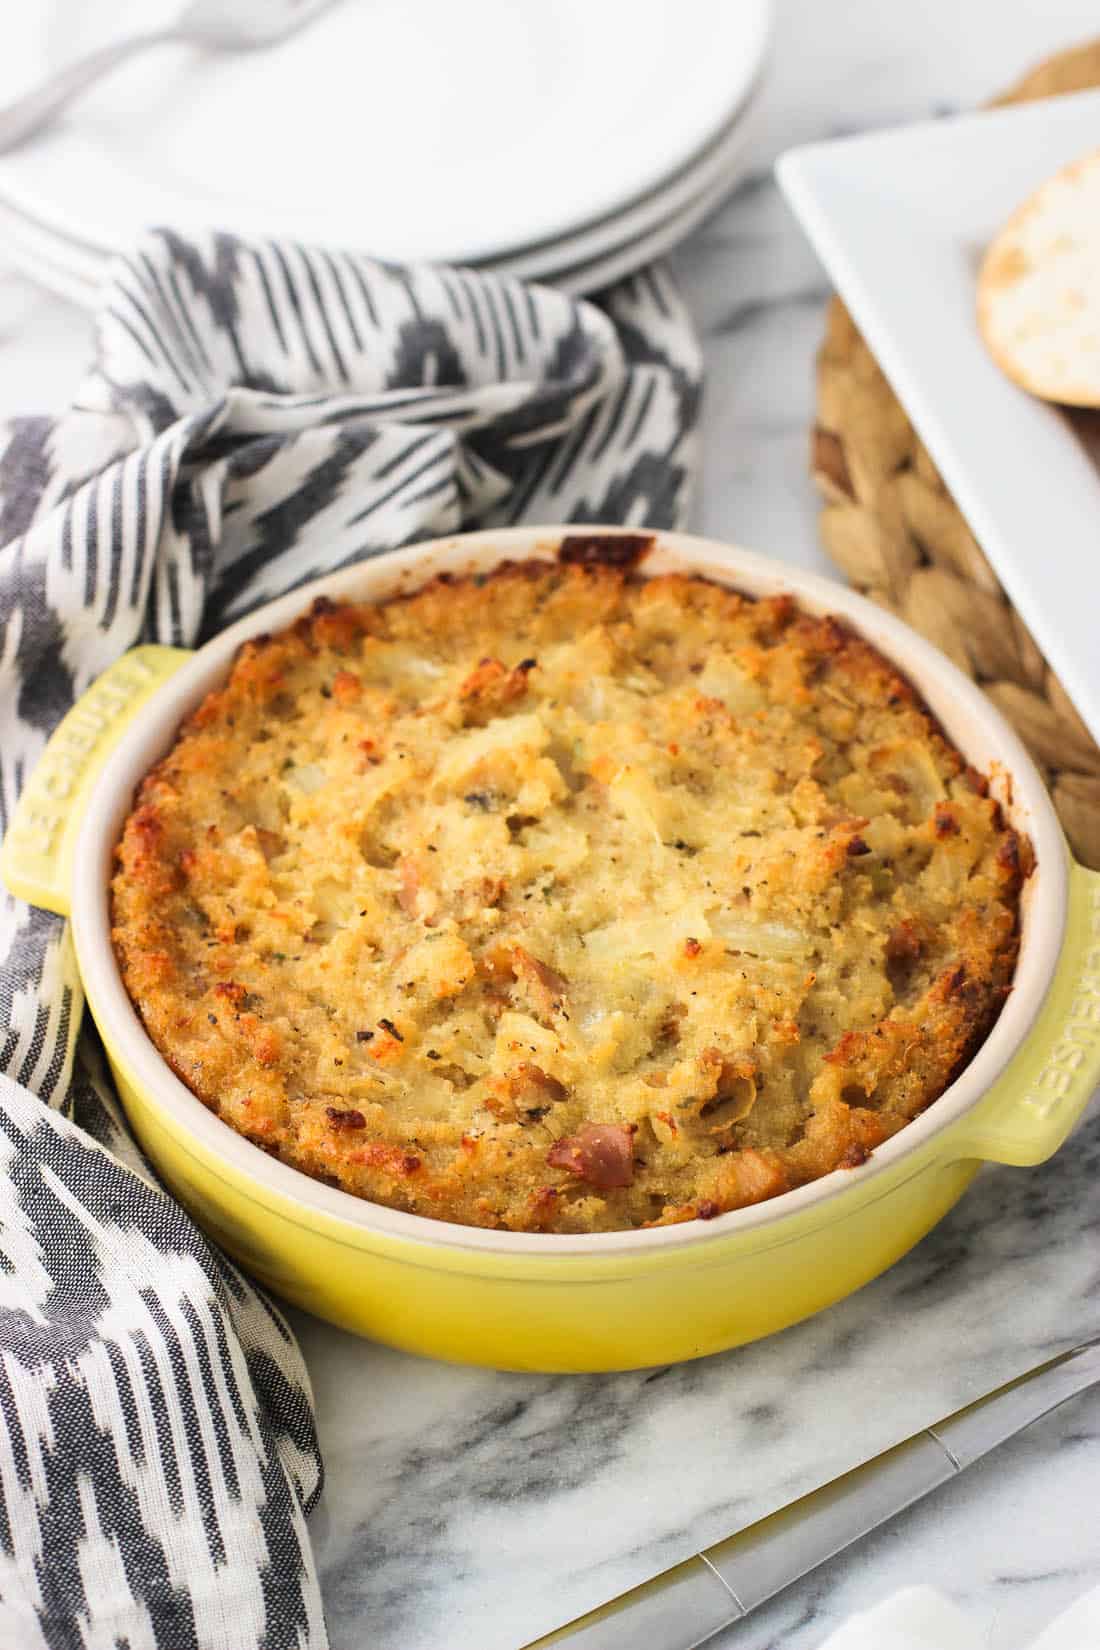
point(563, 899)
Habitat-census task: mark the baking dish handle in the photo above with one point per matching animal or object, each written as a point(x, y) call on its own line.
point(1030, 1110)
point(36, 860)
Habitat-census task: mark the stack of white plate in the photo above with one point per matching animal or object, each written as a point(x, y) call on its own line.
point(561, 140)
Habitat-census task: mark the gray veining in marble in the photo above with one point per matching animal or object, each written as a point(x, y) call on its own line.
point(472, 1511)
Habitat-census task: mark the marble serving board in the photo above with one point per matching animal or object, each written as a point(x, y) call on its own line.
point(477, 1510)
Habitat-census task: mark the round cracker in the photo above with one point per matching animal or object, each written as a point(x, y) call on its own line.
point(1039, 289)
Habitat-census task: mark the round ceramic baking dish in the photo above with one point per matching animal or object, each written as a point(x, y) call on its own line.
point(546, 1302)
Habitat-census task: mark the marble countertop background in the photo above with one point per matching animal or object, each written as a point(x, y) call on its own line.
point(472, 1511)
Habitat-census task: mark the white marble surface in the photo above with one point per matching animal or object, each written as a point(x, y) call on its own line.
point(472, 1511)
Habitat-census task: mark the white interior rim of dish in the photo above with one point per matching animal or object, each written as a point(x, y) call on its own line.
point(968, 717)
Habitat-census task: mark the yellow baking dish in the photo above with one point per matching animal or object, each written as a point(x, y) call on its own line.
point(542, 1301)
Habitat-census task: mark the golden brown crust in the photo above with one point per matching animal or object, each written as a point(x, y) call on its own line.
point(564, 900)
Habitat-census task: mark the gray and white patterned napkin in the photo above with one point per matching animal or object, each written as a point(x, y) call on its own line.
point(259, 413)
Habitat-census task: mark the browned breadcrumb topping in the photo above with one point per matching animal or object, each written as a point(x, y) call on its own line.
point(565, 900)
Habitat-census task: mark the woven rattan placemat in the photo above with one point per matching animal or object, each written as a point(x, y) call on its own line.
point(892, 526)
